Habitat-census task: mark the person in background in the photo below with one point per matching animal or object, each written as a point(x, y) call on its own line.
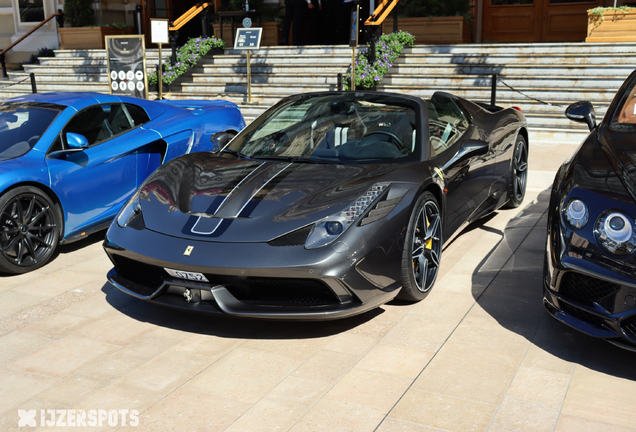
point(315, 9)
point(293, 12)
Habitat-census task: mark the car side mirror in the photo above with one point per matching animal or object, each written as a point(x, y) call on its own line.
point(76, 141)
point(582, 112)
point(220, 140)
point(468, 149)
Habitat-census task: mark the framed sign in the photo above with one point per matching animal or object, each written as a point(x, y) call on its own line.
point(127, 65)
point(248, 38)
point(353, 38)
point(159, 31)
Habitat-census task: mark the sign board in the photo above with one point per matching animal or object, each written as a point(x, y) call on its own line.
point(353, 36)
point(127, 65)
point(248, 38)
point(159, 31)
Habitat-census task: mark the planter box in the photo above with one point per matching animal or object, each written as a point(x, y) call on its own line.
point(87, 37)
point(616, 27)
point(433, 29)
point(270, 37)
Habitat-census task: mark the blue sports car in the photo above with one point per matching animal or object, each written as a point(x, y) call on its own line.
point(69, 161)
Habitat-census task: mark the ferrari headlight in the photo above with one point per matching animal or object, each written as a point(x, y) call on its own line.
point(330, 228)
point(129, 211)
point(576, 214)
point(615, 233)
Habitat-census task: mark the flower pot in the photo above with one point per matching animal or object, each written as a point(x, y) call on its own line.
point(88, 37)
point(433, 29)
point(617, 26)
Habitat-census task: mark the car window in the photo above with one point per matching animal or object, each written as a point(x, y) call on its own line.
point(137, 114)
point(99, 123)
point(624, 118)
point(446, 123)
point(355, 128)
point(21, 125)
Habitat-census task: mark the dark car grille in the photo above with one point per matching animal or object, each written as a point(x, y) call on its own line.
point(139, 272)
point(265, 291)
point(581, 287)
point(629, 327)
point(281, 291)
point(582, 314)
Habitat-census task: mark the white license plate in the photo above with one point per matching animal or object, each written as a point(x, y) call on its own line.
point(187, 275)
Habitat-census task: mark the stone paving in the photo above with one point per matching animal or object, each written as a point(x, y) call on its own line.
point(479, 354)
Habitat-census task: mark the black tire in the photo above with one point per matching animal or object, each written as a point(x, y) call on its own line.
point(518, 174)
point(422, 249)
point(29, 229)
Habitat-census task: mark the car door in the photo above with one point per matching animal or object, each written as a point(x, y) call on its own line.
point(94, 182)
point(467, 180)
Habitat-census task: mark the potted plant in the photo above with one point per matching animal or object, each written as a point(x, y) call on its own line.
point(80, 31)
point(271, 20)
point(611, 24)
point(435, 21)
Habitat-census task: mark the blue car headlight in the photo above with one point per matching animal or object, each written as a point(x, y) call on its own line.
point(615, 233)
point(130, 211)
point(330, 228)
point(576, 214)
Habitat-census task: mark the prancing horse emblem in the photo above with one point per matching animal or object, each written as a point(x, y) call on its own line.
point(188, 250)
point(188, 295)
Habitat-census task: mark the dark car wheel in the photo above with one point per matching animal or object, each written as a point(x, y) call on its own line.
point(518, 174)
point(29, 229)
point(422, 249)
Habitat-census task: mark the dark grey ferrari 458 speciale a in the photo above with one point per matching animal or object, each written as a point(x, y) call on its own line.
point(590, 264)
point(325, 206)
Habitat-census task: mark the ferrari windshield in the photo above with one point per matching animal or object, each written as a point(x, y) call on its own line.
point(340, 128)
point(21, 125)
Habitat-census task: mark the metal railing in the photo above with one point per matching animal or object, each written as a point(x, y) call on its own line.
point(184, 19)
point(374, 22)
point(4, 51)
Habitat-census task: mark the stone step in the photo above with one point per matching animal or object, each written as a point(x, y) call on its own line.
point(517, 69)
point(564, 59)
point(528, 81)
point(525, 48)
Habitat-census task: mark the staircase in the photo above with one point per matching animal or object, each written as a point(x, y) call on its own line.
point(550, 76)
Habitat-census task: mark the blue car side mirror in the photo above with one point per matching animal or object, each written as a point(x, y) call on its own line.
point(76, 141)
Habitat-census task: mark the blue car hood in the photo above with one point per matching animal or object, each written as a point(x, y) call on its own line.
point(205, 197)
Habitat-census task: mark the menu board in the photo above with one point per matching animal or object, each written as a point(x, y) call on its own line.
point(248, 38)
point(127, 65)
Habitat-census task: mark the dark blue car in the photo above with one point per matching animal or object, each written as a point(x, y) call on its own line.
point(69, 161)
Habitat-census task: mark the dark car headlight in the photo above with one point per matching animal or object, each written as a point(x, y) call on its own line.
point(615, 232)
point(330, 228)
point(576, 214)
point(130, 211)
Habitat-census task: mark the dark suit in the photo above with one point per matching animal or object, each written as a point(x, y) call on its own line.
point(293, 12)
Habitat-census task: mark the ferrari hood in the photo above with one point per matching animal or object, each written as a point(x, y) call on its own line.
point(204, 197)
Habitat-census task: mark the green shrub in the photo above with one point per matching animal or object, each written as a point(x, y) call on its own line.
point(187, 56)
point(387, 49)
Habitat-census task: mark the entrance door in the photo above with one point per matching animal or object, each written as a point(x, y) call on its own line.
point(171, 9)
point(536, 20)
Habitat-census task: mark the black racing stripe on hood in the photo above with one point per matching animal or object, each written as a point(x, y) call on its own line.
point(266, 190)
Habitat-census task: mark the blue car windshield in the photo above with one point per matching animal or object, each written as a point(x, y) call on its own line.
point(21, 125)
point(333, 128)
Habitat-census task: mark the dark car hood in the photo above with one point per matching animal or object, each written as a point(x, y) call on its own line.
point(620, 150)
point(607, 162)
point(204, 197)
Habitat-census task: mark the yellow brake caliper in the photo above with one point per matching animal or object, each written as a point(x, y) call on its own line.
point(429, 243)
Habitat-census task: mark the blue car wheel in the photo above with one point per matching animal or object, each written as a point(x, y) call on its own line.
point(29, 229)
